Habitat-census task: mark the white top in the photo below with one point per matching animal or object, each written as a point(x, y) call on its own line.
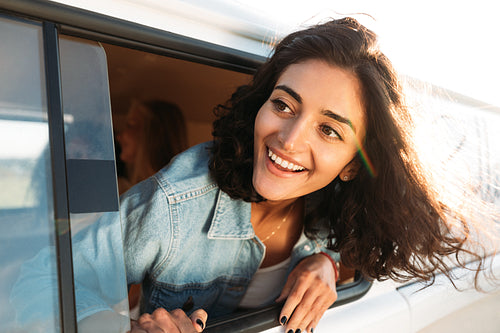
point(266, 284)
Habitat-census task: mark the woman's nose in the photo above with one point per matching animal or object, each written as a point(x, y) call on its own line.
point(294, 136)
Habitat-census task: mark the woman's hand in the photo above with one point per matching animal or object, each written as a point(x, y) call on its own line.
point(176, 321)
point(309, 291)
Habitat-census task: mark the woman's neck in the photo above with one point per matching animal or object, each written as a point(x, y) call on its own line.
point(278, 225)
point(272, 210)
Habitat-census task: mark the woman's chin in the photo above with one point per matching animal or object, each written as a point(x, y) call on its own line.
point(271, 194)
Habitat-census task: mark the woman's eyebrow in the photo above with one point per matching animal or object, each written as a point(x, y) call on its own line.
point(339, 118)
point(290, 92)
point(327, 113)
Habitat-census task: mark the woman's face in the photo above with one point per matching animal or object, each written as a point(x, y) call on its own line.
point(129, 137)
point(308, 130)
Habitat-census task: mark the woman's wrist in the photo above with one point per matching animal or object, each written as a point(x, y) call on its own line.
point(334, 264)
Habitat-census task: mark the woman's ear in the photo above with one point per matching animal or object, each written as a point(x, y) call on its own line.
point(350, 171)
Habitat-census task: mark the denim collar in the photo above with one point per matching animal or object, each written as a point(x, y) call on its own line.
point(231, 219)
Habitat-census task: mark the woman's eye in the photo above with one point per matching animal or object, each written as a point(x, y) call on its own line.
point(281, 106)
point(329, 132)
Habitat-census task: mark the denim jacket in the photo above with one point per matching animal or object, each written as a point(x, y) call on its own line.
point(188, 242)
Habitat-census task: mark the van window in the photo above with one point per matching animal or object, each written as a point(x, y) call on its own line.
point(194, 87)
point(26, 205)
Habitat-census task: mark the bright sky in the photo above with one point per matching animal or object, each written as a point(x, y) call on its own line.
point(449, 43)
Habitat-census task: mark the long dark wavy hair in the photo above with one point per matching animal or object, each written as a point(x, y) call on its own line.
point(387, 222)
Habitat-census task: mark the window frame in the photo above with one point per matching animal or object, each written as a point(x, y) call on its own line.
point(85, 24)
point(62, 19)
point(67, 306)
point(258, 320)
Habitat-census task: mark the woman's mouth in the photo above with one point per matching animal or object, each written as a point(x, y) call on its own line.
point(283, 164)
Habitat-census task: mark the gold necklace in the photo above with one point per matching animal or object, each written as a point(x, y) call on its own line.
point(279, 225)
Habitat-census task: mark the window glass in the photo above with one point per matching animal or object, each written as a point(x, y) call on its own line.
point(26, 204)
point(92, 187)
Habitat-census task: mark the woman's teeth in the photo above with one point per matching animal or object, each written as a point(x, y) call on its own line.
point(284, 163)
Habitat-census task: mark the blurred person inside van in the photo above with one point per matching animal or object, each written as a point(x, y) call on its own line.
point(155, 131)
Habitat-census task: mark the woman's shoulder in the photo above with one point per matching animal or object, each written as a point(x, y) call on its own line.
point(187, 172)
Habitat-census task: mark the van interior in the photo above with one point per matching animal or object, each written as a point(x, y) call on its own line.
point(195, 88)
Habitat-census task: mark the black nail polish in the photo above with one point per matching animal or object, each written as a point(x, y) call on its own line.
point(199, 322)
point(312, 330)
point(283, 320)
point(298, 330)
point(290, 331)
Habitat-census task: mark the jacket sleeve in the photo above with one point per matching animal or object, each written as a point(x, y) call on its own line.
point(116, 250)
point(309, 248)
point(335, 256)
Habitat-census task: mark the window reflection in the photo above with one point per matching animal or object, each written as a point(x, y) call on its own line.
point(26, 212)
point(25, 142)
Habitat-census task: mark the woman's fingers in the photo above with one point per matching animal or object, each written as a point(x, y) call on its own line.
point(309, 311)
point(314, 322)
point(149, 324)
point(199, 319)
point(309, 292)
point(176, 321)
point(293, 297)
point(183, 322)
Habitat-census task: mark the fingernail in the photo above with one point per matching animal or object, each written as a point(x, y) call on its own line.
point(283, 320)
point(199, 322)
point(312, 329)
point(297, 330)
point(290, 331)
